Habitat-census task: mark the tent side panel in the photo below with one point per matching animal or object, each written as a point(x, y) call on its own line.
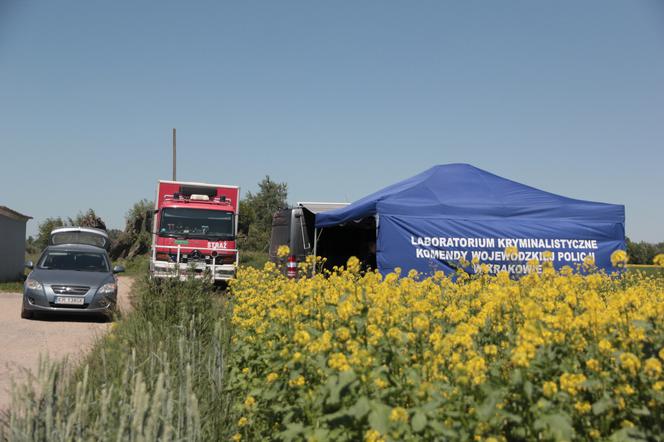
point(429, 244)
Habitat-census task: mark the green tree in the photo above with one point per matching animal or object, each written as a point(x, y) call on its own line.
point(643, 252)
point(136, 237)
point(45, 228)
point(30, 247)
point(88, 219)
point(256, 211)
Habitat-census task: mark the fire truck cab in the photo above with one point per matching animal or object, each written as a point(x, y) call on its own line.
point(194, 231)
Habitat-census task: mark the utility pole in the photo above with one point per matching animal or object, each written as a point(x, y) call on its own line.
point(174, 156)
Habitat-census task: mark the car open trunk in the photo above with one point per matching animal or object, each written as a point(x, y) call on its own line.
point(80, 235)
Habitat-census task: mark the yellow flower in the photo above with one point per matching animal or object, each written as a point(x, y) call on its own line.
point(490, 350)
point(399, 414)
point(380, 383)
point(373, 436)
point(420, 323)
point(375, 333)
point(242, 421)
point(296, 382)
point(283, 251)
point(236, 437)
point(339, 362)
point(630, 362)
point(512, 253)
point(353, 265)
point(624, 389)
point(582, 407)
point(652, 368)
point(549, 389)
point(343, 334)
point(522, 354)
point(395, 334)
point(658, 260)
point(533, 264)
point(301, 337)
point(619, 258)
point(571, 383)
point(272, 377)
point(605, 346)
point(249, 402)
point(593, 364)
point(476, 368)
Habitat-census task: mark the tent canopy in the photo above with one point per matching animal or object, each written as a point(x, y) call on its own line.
point(459, 211)
point(464, 191)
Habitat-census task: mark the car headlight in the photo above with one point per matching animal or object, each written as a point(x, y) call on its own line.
point(33, 284)
point(107, 289)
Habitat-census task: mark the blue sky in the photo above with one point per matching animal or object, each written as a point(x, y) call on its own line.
point(337, 99)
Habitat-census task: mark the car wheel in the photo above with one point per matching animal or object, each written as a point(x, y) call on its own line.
point(26, 314)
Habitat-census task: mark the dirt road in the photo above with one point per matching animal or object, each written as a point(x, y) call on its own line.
point(23, 340)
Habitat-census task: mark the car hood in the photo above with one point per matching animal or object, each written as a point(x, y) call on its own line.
point(72, 277)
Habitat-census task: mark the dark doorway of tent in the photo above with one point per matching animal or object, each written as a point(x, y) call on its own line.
point(354, 238)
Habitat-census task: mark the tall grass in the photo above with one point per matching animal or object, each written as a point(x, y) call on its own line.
point(646, 270)
point(255, 259)
point(136, 266)
point(11, 287)
point(159, 374)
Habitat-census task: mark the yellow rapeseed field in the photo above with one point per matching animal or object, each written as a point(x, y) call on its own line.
point(352, 356)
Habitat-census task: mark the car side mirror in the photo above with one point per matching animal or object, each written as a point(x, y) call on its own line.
point(118, 269)
point(29, 265)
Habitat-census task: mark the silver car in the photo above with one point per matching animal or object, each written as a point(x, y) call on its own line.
point(72, 279)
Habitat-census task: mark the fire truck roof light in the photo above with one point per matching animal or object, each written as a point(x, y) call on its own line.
point(196, 197)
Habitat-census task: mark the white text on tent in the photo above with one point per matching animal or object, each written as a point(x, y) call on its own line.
point(445, 255)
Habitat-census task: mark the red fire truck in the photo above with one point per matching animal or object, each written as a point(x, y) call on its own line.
point(194, 231)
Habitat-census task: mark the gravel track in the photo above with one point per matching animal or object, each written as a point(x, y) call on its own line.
point(22, 341)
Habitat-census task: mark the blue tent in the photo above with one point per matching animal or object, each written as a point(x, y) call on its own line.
point(456, 212)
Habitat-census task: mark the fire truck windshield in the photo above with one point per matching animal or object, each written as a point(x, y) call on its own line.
point(197, 223)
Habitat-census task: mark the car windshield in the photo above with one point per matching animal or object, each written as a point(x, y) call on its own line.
point(69, 260)
point(197, 223)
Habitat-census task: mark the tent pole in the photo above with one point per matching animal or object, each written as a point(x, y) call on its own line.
point(377, 222)
point(313, 270)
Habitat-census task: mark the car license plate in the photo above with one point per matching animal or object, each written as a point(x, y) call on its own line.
point(71, 300)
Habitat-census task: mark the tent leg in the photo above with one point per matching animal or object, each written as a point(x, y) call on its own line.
point(377, 222)
point(313, 270)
